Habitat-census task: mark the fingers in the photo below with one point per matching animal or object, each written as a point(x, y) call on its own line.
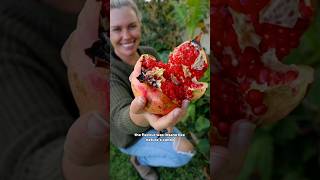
point(165, 121)
point(219, 159)
point(86, 149)
point(170, 129)
point(136, 71)
point(184, 107)
point(138, 105)
point(85, 33)
point(239, 143)
point(88, 19)
point(170, 119)
point(65, 51)
point(87, 141)
point(228, 162)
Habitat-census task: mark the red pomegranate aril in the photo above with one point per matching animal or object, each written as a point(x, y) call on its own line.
point(264, 76)
point(254, 97)
point(282, 52)
point(226, 62)
point(235, 4)
point(260, 110)
point(249, 56)
point(291, 75)
point(305, 11)
point(224, 128)
point(275, 78)
point(244, 86)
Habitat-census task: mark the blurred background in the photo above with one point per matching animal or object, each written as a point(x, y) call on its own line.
point(165, 25)
point(290, 149)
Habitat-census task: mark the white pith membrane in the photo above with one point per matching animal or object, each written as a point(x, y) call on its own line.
point(244, 30)
point(280, 12)
point(201, 60)
point(229, 51)
point(186, 71)
point(155, 76)
point(282, 98)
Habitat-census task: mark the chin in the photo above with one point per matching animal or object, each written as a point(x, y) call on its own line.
point(130, 52)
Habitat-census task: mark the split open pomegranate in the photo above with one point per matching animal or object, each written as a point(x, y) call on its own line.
point(249, 40)
point(165, 86)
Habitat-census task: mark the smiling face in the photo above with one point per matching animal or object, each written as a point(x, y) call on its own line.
point(125, 31)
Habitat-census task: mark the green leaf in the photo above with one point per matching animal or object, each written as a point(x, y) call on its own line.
point(204, 147)
point(202, 123)
point(285, 130)
point(309, 152)
point(313, 97)
point(202, 102)
point(164, 55)
point(192, 112)
point(259, 158)
point(293, 175)
point(265, 158)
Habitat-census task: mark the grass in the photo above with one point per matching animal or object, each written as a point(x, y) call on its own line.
point(122, 169)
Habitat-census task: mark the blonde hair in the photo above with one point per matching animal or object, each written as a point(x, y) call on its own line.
point(116, 4)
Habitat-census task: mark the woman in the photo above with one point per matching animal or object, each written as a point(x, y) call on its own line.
point(37, 109)
point(127, 114)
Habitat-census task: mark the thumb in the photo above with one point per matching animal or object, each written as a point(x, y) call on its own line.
point(88, 20)
point(136, 71)
point(137, 105)
point(239, 143)
point(219, 158)
point(87, 140)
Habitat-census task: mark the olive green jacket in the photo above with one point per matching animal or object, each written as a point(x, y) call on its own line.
point(121, 126)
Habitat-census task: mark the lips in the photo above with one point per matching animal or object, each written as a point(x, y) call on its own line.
point(128, 45)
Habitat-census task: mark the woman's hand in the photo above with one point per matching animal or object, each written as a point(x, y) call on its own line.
point(142, 118)
point(86, 148)
point(227, 162)
point(88, 83)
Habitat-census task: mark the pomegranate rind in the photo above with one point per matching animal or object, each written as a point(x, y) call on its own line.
point(281, 100)
point(197, 93)
point(157, 102)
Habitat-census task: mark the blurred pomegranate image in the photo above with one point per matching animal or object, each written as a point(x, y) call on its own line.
point(250, 40)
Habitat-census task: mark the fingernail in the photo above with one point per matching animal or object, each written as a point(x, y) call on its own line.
point(176, 113)
point(141, 100)
point(185, 104)
point(246, 126)
point(97, 125)
point(246, 130)
point(242, 133)
point(220, 151)
point(219, 159)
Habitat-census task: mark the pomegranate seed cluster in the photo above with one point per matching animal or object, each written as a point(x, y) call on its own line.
point(250, 39)
point(179, 78)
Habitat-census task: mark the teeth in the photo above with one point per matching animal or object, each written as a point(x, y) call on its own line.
point(128, 45)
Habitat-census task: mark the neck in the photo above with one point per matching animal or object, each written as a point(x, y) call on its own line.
point(68, 6)
point(132, 59)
